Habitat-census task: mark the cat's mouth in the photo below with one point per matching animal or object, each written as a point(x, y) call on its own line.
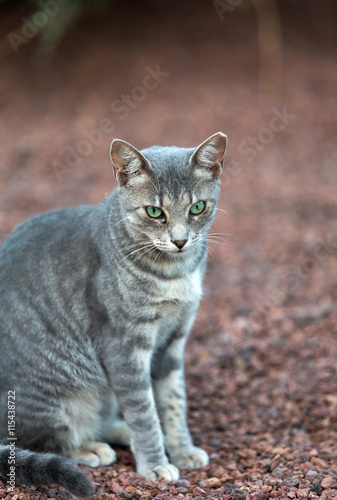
point(172, 248)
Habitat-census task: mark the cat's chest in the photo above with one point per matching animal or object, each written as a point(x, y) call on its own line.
point(178, 290)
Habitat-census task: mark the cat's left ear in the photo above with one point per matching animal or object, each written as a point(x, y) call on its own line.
point(209, 156)
point(128, 163)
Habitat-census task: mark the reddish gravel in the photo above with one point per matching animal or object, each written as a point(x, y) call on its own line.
point(261, 361)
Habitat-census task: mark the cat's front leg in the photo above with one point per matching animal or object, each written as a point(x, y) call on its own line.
point(132, 386)
point(168, 375)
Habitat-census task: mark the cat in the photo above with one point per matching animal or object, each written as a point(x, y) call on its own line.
point(96, 305)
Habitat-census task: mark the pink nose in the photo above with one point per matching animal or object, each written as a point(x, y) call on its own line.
point(179, 243)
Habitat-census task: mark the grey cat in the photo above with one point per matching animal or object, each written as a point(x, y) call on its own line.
point(96, 303)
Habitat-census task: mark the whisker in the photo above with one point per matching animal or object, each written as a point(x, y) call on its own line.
point(121, 220)
point(214, 238)
point(224, 234)
point(209, 250)
point(155, 187)
point(222, 210)
point(211, 237)
point(197, 184)
point(136, 257)
point(146, 246)
point(215, 235)
point(211, 253)
point(218, 242)
point(159, 254)
point(139, 243)
point(147, 251)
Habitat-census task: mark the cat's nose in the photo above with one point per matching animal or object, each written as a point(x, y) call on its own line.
point(179, 243)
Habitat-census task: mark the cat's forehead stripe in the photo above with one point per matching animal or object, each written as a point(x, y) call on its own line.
point(174, 198)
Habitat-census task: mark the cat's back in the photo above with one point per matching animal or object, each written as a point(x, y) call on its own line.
point(39, 234)
point(45, 248)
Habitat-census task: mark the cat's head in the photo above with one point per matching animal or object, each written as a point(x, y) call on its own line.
point(168, 194)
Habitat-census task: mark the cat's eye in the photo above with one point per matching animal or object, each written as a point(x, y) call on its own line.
point(154, 212)
point(198, 207)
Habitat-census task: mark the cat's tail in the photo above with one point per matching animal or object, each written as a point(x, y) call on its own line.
point(23, 467)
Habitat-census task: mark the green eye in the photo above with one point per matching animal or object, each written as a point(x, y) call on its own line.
point(197, 208)
point(154, 212)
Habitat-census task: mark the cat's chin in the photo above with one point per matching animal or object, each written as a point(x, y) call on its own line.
point(177, 253)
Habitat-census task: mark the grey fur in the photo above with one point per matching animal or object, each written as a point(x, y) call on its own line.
point(96, 304)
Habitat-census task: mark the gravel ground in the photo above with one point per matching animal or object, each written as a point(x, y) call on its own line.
point(261, 361)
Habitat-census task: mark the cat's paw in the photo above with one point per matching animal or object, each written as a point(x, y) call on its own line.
point(167, 471)
point(105, 453)
point(189, 458)
point(93, 454)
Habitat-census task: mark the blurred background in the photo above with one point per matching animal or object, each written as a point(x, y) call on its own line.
point(76, 73)
point(66, 65)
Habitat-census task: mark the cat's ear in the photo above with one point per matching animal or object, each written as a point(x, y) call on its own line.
point(128, 163)
point(208, 158)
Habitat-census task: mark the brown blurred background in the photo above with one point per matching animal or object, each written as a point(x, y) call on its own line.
point(75, 74)
point(228, 64)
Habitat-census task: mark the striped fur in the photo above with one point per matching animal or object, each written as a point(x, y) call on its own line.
point(96, 304)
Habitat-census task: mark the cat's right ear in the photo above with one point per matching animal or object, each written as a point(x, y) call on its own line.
point(208, 158)
point(128, 163)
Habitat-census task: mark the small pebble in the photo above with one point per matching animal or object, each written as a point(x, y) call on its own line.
point(239, 495)
point(275, 462)
point(319, 462)
point(125, 495)
point(327, 482)
point(303, 457)
point(316, 488)
point(312, 475)
point(226, 477)
point(291, 482)
point(180, 489)
point(261, 495)
point(280, 451)
point(184, 483)
point(277, 472)
point(211, 482)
